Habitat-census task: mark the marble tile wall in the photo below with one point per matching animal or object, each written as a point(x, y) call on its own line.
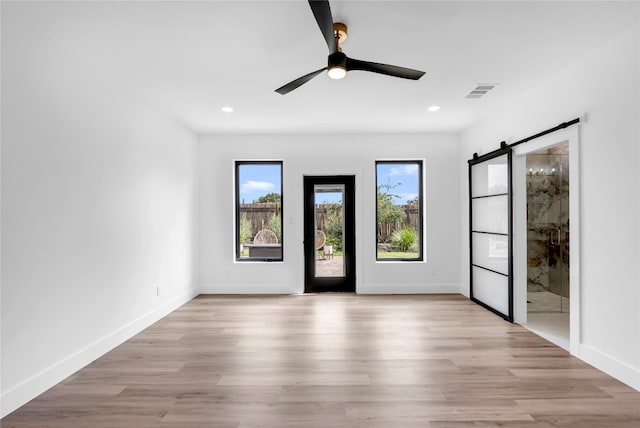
point(548, 221)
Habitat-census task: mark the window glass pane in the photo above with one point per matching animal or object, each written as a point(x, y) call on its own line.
point(258, 211)
point(399, 210)
point(491, 288)
point(329, 227)
point(491, 252)
point(490, 177)
point(491, 214)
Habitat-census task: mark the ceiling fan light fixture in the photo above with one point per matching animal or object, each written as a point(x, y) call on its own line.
point(337, 65)
point(336, 72)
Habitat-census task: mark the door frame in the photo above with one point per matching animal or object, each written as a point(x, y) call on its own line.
point(568, 136)
point(336, 284)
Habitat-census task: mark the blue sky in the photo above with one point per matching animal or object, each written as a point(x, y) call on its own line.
point(402, 175)
point(328, 197)
point(257, 180)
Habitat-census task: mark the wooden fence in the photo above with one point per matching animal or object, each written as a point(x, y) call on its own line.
point(259, 214)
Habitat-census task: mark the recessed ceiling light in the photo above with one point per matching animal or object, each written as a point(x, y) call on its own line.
point(434, 108)
point(227, 109)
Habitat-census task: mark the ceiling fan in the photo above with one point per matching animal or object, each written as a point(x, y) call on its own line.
point(338, 63)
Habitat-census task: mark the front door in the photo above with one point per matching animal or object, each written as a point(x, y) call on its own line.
point(329, 237)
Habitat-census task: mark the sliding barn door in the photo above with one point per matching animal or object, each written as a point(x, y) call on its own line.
point(490, 225)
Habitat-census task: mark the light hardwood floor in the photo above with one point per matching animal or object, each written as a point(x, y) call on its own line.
point(334, 360)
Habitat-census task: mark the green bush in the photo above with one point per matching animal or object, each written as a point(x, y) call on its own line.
point(389, 215)
point(335, 242)
point(405, 239)
point(275, 225)
point(245, 230)
point(334, 228)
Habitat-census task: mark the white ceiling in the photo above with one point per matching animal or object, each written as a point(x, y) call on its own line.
point(190, 59)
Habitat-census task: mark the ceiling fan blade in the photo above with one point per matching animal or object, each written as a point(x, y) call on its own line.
point(390, 70)
point(322, 12)
point(298, 82)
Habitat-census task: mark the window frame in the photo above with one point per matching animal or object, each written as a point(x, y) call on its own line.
point(421, 210)
point(237, 216)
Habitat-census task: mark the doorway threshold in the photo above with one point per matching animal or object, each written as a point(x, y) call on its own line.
point(553, 327)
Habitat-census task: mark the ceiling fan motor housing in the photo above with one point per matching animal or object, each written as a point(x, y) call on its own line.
point(337, 59)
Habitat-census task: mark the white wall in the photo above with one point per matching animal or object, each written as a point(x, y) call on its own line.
point(98, 207)
point(605, 87)
point(328, 155)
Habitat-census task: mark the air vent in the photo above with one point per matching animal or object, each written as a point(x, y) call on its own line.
point(480, 90)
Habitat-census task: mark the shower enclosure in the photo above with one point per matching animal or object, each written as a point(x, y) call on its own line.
point(548, 230)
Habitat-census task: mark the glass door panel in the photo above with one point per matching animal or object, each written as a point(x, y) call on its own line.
point(329, 227)
point(490, 217)
point(548, 230)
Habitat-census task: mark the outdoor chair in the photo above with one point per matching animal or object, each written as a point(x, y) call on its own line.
point(265, 236)
point(327, 252)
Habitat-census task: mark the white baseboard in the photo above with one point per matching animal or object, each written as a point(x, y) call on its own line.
point(279, 288)
point(408, 289)
point(40, 382)
point(260, 288)
point(611, 366)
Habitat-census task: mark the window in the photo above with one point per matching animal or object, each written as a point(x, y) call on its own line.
point(399, 210)
point(258, 211)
